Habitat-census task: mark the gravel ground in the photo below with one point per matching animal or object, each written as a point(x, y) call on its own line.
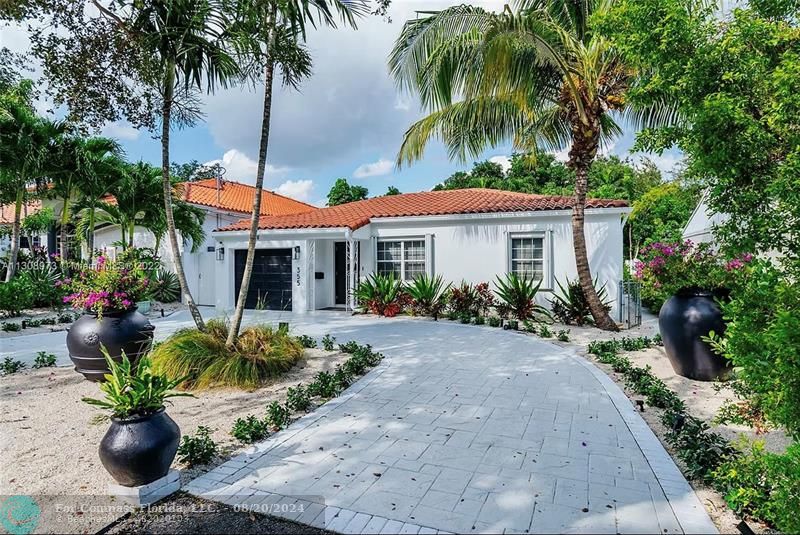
point(49, 439)
point(182, 513)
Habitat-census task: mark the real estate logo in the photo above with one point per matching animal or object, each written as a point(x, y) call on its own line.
point(19, 515)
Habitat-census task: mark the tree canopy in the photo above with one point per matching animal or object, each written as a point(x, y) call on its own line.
point(343, 192)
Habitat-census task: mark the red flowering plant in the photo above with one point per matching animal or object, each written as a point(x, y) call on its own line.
point(106, 286)
point(667, 269)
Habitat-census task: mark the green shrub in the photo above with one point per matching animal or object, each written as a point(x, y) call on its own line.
point(571, 306)
point(545, 332)
point(44, 360)
point(278, 416)
point(452, 315)
point(298, 398)
point(762, 342)
point(250, 429)
point(494, 321)
point(16, 295)
point(134, 390)
point(517, 297)
point(349, 347)
point(307, 341)
point(198, 449)
point(563, 335)
point(260, 353)
point(47, 321)
point(46, 291)
point(763, 485)
point(324, 385)
point(465, 318)
point(328, 342)
point(479, 320)
point(701, 450)
point(30, 323)
point(65, 317)
point(381, 294)
point(10, 326)
point(512, 325)
point(9, 366)
point(429, 295)
point(165, 286)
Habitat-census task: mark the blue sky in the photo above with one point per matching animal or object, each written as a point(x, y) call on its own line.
point(347, 120)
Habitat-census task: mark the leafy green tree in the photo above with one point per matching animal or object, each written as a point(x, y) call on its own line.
point(342, 192)
point(392, 191)
point(660, 215)
point(101, 175)
point(269, 34)
point(193, 170)
point(539, 76)
point(27, 143)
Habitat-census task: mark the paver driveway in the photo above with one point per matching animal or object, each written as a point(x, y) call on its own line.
point(464, 429)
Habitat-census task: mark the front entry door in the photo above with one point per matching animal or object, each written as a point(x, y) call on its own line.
point(340, 272)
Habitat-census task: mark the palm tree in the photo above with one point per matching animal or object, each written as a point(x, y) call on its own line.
point(27, 143)
point(137, 202)
point(269, 34)
point(77, 158)
point(538, 76)
point(101, 176)
point(185, 38)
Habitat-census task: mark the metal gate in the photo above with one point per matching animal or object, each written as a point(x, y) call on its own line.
point(630, 303)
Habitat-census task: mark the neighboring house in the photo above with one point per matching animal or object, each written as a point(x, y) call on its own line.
point(700, 227)
point(224, 202)
point(7, 221)
point(312, 260)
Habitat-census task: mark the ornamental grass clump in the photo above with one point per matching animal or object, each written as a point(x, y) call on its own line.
point(260, 353)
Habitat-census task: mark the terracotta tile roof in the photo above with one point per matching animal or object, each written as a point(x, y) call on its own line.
point(238, 197)
point(463, 201)
point(235, 197)
point(7, 211)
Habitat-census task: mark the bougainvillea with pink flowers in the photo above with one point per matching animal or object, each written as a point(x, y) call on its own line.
point(106, 286)
point(666, 269)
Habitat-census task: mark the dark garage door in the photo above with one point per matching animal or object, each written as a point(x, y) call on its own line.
point(271, 282)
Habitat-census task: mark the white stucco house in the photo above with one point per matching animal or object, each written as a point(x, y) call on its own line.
point(311, 260)
point(700, 227)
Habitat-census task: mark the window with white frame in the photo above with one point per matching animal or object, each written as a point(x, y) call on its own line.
point(405, 259)
point(527, 257)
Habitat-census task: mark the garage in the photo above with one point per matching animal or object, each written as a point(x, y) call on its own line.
point(271, 281)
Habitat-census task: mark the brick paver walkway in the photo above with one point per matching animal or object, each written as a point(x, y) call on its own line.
point(464, 429)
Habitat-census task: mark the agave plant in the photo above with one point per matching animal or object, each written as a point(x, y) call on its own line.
point(570, 306)
point(381, 294)
point(429, 295)
point(517, 297)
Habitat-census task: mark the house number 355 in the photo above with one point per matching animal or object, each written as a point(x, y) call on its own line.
point(298, 276)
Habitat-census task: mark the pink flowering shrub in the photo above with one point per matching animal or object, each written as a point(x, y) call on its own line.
point(666, 269)
point(106, 286)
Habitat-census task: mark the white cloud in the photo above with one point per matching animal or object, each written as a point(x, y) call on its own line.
point(120, 130)
point(241, 168)
point(504, 161)
point(379, 168)
point(296, 189)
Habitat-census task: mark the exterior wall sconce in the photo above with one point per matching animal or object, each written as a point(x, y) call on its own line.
point(297, 252)
point(220, 253)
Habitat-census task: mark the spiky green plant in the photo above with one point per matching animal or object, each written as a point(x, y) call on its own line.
point(380, 294)
point(260, 353)
point(570, 306)
point(166, 288)
point(517, 296)
point(429, 295)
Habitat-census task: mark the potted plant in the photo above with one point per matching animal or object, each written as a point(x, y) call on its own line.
point(107, 293)
point(142, 441)
point(690, 280)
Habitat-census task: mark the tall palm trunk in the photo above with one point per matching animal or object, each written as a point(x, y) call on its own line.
point(169, 90)
point(62, 239)
point(585, 141)
point(269, 70)
point(90, 235)
point(15, 230)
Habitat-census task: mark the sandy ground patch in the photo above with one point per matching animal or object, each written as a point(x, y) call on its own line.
point(49, 440)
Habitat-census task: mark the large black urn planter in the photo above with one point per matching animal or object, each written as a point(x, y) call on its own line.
point(684, 319)
point(117, 331)
point(137, 451)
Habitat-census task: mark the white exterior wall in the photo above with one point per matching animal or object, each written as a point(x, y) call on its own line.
point(471, 248)
point(700, 227)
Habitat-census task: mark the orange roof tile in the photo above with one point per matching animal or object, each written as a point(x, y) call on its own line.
point(238, 197)
point(7, 211)
point(427, 203)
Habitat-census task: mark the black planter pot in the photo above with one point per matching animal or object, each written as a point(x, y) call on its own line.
point(683, 321)
point(117, 331)
point(137, 451)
